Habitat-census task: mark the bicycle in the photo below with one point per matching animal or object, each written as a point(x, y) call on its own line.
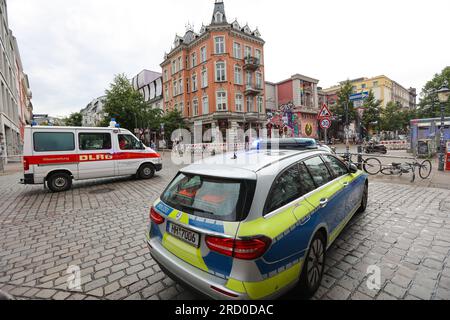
point(371, 166)
point(399, 169)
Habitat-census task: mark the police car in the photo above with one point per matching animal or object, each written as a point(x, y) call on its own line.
point(253, 225)
point(58, 155)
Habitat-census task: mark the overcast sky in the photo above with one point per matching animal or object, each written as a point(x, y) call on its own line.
point(71, 49)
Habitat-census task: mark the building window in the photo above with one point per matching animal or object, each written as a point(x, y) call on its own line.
point(165, 75)
point(195, 107)
point(220, 45)
point(166, 92)
point(259, 102)
point(258, 80)
point(194, 59)
point(258, 54)
point(238, 75)
point(363, 86)
point(221, 74)
point(205, 104)
point(180, 85)
point(194, 83)
point(203, 54)
point(221, 101)
point(174, 67)
point(250, 104)
point(249, 79)
point(180, 63)
point(219, 17)
point(204, 78)
point(181, 107)
point(248, 52)
point(375, 83)
point(239, 102)
point(175, 89)
point(237, 52)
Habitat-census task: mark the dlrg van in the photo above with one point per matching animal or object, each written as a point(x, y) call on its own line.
point(58, 155)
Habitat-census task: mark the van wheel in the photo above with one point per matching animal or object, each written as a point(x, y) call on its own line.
point(313, 267)
point(147, 171)
point(59, 182)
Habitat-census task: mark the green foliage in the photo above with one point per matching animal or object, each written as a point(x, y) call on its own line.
point(128, 106)
point(74, 120)
point(429, 106)
point(343, 99)
point(172, 121)
point(372, 111)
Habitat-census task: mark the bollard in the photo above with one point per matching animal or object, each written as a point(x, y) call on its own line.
point(360, 159)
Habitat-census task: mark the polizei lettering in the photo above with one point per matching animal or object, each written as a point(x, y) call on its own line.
point(95, 157)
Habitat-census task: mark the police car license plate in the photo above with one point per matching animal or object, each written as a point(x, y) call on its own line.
point(188, 236)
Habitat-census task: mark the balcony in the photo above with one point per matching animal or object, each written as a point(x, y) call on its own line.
point(251, 63)
point(252, 89)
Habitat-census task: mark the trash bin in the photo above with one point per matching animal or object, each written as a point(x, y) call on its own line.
point(423, 148)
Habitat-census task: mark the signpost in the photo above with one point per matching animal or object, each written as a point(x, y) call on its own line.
point(324, 117)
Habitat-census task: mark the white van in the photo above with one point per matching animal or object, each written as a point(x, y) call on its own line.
point(57, 155)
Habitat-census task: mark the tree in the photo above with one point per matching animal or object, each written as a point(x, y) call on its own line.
point(428, 106)
point(74, 120)
point(343, 99)
point(172, 121)
point(128, 106)
point(391, 117)
point(371, 111)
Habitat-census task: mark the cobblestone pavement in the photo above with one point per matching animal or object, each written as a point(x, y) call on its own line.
point(100, 226)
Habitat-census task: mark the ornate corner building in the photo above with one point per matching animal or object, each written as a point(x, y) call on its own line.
point(216, 76)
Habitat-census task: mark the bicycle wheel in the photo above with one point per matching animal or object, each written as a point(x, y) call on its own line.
point(389, 171)
point(372, 166)
point(425, 169)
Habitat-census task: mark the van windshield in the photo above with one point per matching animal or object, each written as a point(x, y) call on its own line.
point(213, 198)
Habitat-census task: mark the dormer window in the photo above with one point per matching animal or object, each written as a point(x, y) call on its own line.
point(247, 30)
point(219, 17)
point(236, 25)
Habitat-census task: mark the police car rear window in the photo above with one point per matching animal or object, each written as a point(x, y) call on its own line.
point(208, 197)
point(53, 141)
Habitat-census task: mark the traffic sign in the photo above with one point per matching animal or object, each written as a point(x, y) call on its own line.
point(325, 112)
point(325, 123)
point(359, 96)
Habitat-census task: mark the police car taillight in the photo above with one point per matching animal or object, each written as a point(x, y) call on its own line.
point(156, 217)
point(26, 165)
point(248, 249)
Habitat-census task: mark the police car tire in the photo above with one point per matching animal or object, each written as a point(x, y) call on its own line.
point(147, 171)
point(364, 199)
point(306, 291)
point(52, 182)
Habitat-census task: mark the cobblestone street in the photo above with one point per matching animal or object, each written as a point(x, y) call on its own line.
point(100, 227)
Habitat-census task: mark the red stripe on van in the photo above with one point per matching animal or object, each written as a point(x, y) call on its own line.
point(77, 158)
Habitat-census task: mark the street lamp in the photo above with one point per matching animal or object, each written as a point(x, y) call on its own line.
point(443, 94)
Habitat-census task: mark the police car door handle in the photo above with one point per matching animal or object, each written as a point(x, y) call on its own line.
point(323, 203)
point(345, 184)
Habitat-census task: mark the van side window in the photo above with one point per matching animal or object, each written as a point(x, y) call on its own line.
point(53, 141)
point(319, 171)
point(95, 141)
point(285, 189)
point(129, 142)
point(337, 167)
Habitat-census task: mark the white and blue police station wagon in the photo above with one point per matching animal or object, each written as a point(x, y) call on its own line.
point(256, 225)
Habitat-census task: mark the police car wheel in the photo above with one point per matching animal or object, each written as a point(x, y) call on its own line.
point(147, 171)
point(312, 273)
point(59, 182)
point(364, 199)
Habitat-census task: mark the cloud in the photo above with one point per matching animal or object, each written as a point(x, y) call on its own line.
point(71, 49)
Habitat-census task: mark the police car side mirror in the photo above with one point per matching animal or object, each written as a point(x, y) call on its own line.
point(353, 168)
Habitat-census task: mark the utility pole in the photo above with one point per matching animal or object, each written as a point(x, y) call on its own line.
point(347, 128)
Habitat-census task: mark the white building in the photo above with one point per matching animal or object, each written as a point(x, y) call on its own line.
point(15, 95)
point(149, 84)
point(93, 114)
